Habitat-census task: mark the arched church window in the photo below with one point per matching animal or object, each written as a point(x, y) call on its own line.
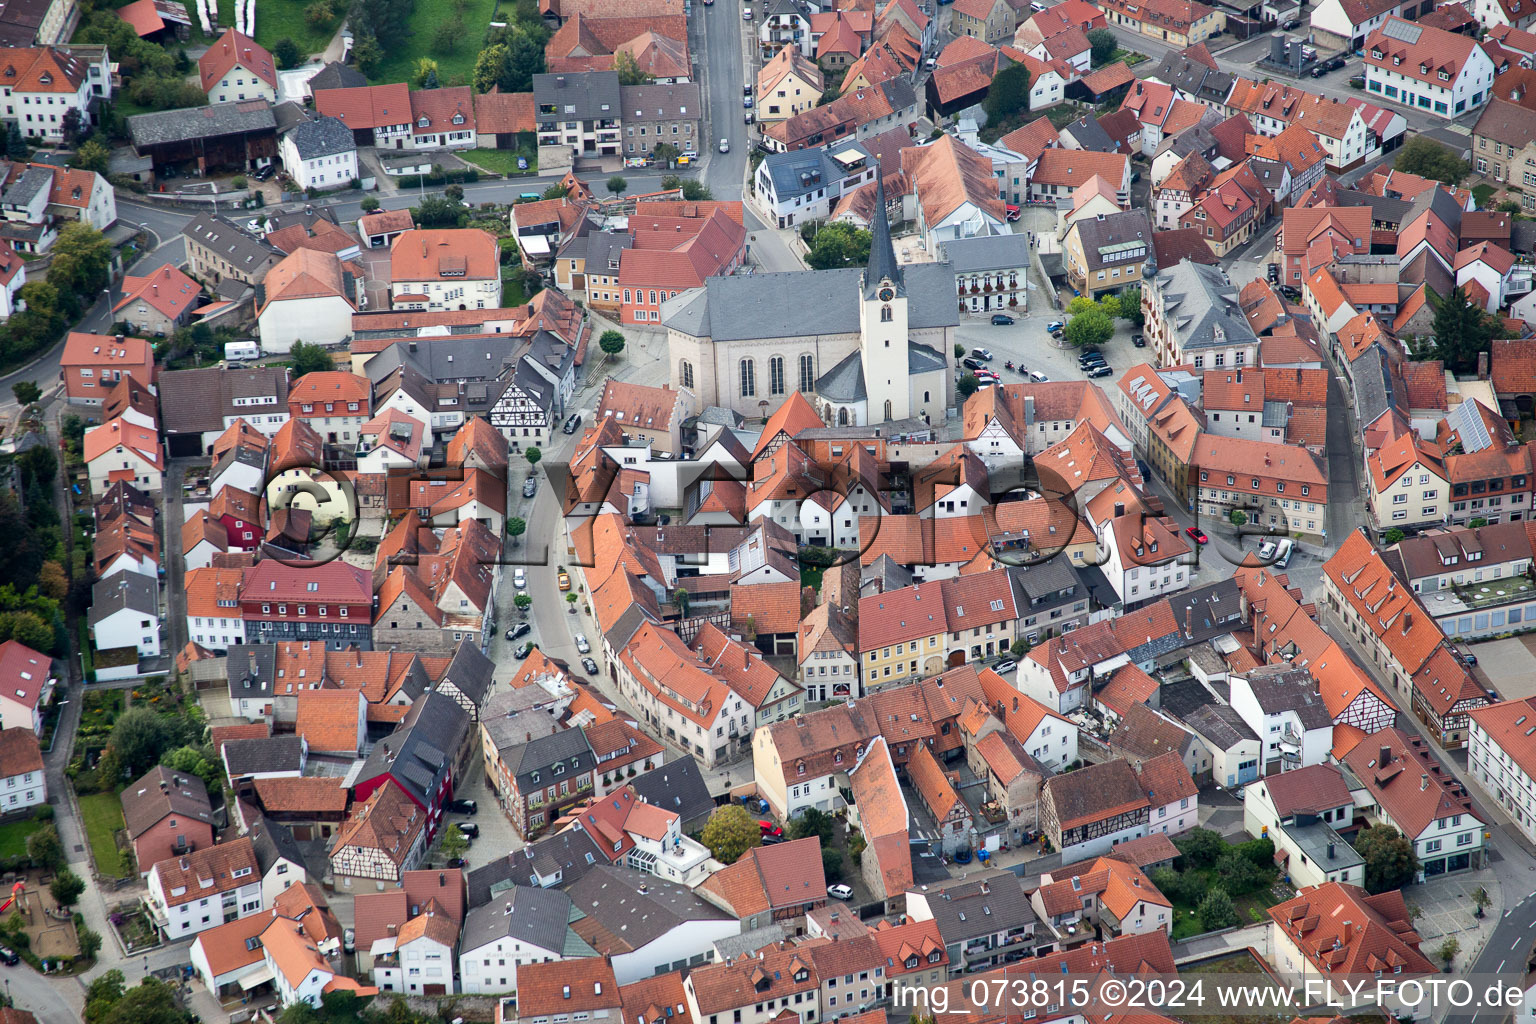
point(776, 375)
point(807, 373)
point(842, 417)
point(685, 373)
point(885, 314)
point(748, 379)
point(888, 410)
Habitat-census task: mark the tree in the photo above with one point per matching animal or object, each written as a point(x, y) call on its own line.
point(695, 191)
point(69, 126)
point(1216, 911)
point(26, 392)
point(90, 943)
point(150, 1002)
point(426, 69)
point(1389, 859)
point(959, 350)
point(830, 93)
point(139, 737)
point(319, 14)
point(82, 257)
point(102, 995)
point(309, 358)
point(489, 66)
point(1080, 304)
point(525, 58)
point(967, 386)
point(1201, 847)
point(629, 70)
point(617, 184)
point(16, 147)
point(1481, 900)
point(1462, 329)
point(369, 204)
point(1448, 950)
point(681, 597)
point(445, 39)
point(558, 190)
point(611, 342)
point(1237, 873)
point(1393, 536)
point(1238, 517)
point(454, 843)
point(1009, 93)
point(51, 578)
point(454, 192)
point(516, 527)
point(66, 888)
point(812, 822)
point(523, 602)
point(1130, 306)
point(26, 627)
point(46, 848)
point(193, 761)
point(1090, 328)
point(1427, 158)
point(832, 863)
point(287, 53)
point(730, 832)
point(440, 212)
point(665, 155)
point(91, 156)
point(1020, 648)
point(1103, 44)
point(839, 245)
point(533, 455)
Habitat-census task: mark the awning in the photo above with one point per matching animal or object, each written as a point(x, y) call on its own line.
point(255, 978)
point(535, 245)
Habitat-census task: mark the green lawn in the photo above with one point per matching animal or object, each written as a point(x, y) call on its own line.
point(399, 62)
point(13, 837)
point(1482, 193)
point(277, 19)
point(512, 290)
point(103, 816)
point(501, 161)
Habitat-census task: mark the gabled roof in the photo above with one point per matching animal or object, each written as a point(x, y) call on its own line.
point(234, 49)
point(1344, 930)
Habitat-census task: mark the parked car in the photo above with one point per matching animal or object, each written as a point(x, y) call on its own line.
point(1006, 665)
point(519, 578)
point(589, 666)
point(984, 354)
point(519, 631)
point(523, 650)
point(470, 829)
point(1001, 319)
point(265, 173)
point(1090, 358)
point(572, 424)
point(840, 892)
point(973, 364)
point(725, 144)
point(1144, 469)
point(1139, 340)
point(1292, 25)
point(768, 828)
point(1102, 370)
point(1055, 325)
point(463, 807)
point(1196, 534)
point(581, 644)
point(746, 89)
point(746, 118)
point(564, 579)
point(746, 15)
point(1038, 377)
point(530, 487)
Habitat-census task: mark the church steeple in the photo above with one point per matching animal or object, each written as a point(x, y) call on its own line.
point(882, 254)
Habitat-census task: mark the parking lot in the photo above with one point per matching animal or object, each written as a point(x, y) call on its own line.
point(1508, 666)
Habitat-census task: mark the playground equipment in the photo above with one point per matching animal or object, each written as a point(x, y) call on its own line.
point(16, 891)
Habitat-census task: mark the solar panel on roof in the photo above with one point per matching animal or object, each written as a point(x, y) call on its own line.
point(1469, 426)
point(1403, 31)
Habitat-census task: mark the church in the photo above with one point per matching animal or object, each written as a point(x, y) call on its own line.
point(864, 346)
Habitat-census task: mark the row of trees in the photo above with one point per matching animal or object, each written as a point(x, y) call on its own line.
point(82, 260)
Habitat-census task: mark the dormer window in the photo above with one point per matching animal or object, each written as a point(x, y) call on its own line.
point(458, 118)
point(1445, 76)
point(1397, 58)
point(423, 122)
point(1423, 67)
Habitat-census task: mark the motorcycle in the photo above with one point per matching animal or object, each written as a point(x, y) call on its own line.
point(1008, 365)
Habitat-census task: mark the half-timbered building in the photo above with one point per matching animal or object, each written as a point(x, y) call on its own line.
point(1087, 812)
point(384, 838)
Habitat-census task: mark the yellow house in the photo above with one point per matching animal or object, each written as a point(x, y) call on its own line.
point(903, 635)
point(1106, 253)
point(992, 21)
point(789, 84)
point(1175, 23)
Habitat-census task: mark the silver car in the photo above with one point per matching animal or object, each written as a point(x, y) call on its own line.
point(582, 645)
point(519, 578)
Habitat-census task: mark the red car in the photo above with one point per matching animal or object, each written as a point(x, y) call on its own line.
point(1197, 534)
point(770, 829)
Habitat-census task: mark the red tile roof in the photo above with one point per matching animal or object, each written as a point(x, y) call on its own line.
point(367, 107)
point(232, 49)
point(1344, 930)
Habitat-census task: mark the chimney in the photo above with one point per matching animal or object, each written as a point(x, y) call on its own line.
point(1423, 782)
point(1482, 366)
point(1407, 622)
point(1330, 851)
point(1384, 757)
